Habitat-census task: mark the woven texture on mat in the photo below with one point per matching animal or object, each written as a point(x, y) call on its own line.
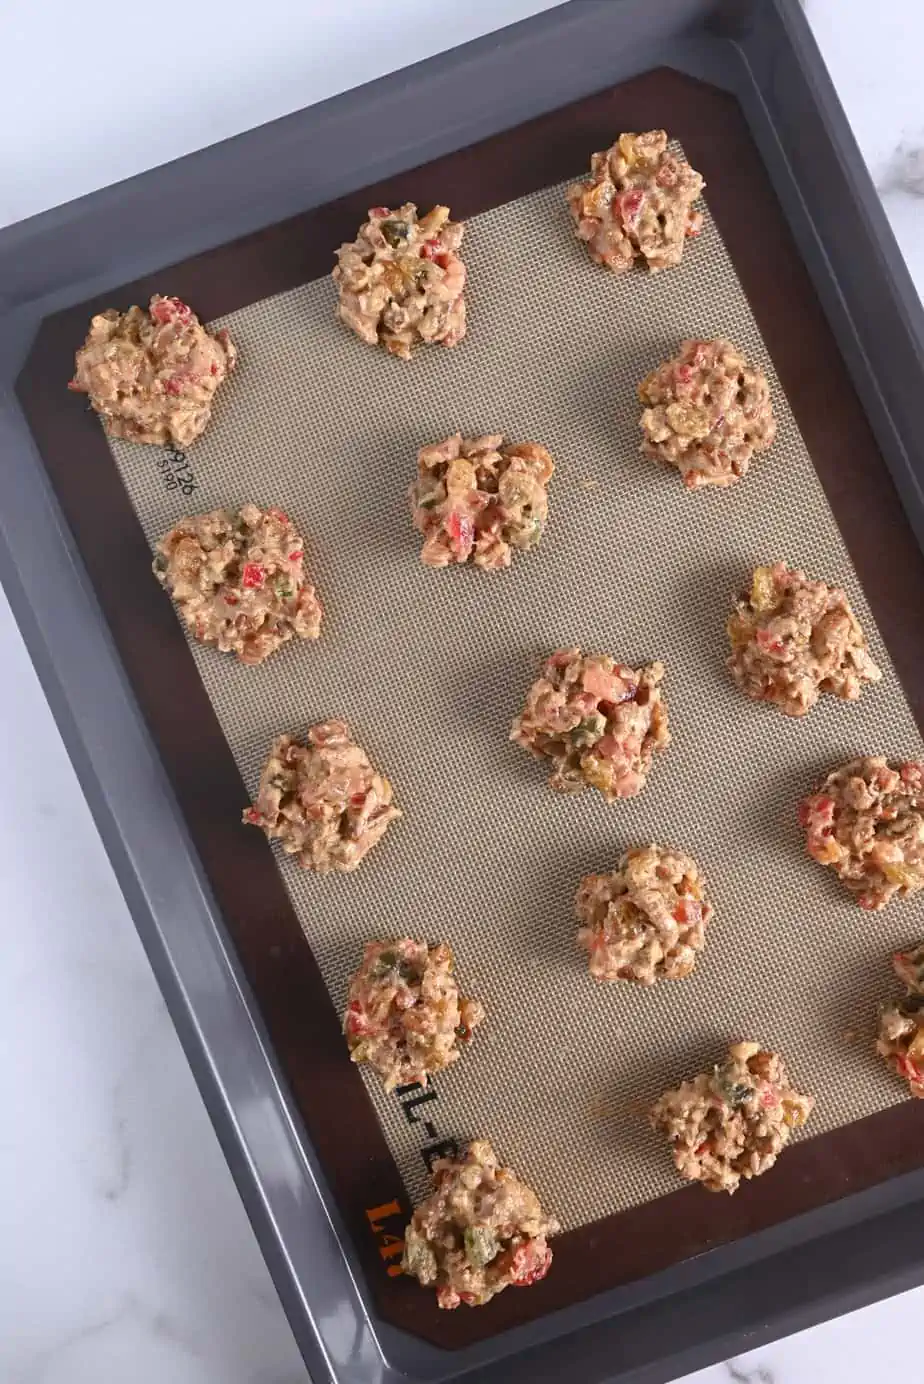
point(430, 667)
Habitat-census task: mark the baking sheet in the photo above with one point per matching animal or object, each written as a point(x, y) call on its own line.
point(430, 668)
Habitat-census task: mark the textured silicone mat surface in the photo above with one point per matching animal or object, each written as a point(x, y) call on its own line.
point(431, 667)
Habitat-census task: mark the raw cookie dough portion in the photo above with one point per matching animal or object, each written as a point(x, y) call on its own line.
point(867, 822)
point(152, 375)
point(238, 579)
point(706, 413)
point(479, 498)
point(646, 920)
point(405, 1016)
point(401, 280)
point(322, 801)
point(479, 1231)
point(901, 1027)
point(597, 720)
point(637, 202)
point(732, 1123)
point(793, 639)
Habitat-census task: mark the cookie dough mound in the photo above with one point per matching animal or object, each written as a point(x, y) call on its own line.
point(401, 280)
point(152, 375)
point(734, 1122)
point(901, 1027)
point(637, 203)
point(597, 720)
point(238, 579)
point(706, 413)
point(405, 1016)
point(480, 1231)
point(479, 498)
point(867, 822)
point(322, 801)
point(646, 920)
point(793, 639)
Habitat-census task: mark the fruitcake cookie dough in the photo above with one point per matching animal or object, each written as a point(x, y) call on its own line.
point(401, 280)
point(151, 375)
point(480, 1231)
point(600, 722)
point(322, 801)
point(238, 579)
point(644, 921)
point(867, 822)
point(734, 1122)
point(793, 639)
point(479, 498)
point(707, 411)
point(901, 1027)
point(405, 1016)
point(637, 203)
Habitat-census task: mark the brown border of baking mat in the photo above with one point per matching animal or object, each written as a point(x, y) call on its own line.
point(293, 999)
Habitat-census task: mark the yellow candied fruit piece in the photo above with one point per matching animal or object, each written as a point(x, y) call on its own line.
point(793, 1115)
point(900, 875)
point(739, 631)
point(433, 222)
point(595, 773)
point(596, 199)
point(763, 589)
point(460, 477)
point(688, 421)
point(828, 851)
point(916, 1046)
point(627, 147)
point(394, 279)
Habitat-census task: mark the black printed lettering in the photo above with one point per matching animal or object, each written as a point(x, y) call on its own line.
point(446, 1148)
point(409, 1106)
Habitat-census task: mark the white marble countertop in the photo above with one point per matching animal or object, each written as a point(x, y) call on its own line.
point(127, 1254)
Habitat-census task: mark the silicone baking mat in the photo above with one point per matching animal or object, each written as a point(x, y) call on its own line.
point(430, 668)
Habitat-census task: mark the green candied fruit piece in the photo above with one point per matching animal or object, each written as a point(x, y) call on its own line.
point(589, 730)
point(530, 534)
point(481, 1245)
point(419, 1259)
point(395, 232)
point(734, 1093)
point(389, 963)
